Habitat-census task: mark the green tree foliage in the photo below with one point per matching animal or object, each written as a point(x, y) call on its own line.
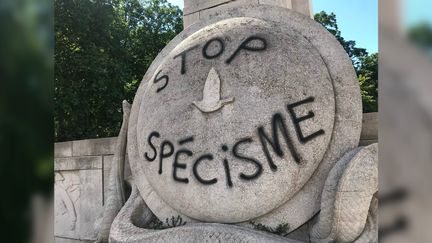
point(102, 50)
point(366, 65)
point(368, 78)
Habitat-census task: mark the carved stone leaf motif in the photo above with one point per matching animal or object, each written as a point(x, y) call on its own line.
point(211, 100)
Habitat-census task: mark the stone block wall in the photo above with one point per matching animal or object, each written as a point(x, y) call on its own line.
point(194, 10)
point(369, 133)
point(81, 176)
point(81, 173)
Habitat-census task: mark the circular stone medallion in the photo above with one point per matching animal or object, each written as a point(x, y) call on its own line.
point(234, 120)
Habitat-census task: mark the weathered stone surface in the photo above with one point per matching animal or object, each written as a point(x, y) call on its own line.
point(107, 161)
point(347, 197)
point(306, 61)
point(63, 149)
point(369, 126)
point(367, 142)
point(301, 233)
point(99, 146)
point(303, 6)
point(66, 240)
point(192, 6)
point(190, 19)
point(196, 10)
point(369, 133)
point(78, 203)
point(66, 201)
point(220, 8)
point(130, 227)
point(279, 3)
point(78, 163)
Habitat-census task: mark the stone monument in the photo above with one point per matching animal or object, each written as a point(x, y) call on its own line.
point(246, 124)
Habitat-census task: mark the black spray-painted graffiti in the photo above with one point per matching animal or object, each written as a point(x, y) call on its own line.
point(277, 140)
point(259, 44)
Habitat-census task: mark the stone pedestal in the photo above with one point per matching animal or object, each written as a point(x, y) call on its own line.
point(196, 10)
